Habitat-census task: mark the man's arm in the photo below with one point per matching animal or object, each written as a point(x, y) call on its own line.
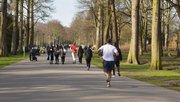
point(116, 52)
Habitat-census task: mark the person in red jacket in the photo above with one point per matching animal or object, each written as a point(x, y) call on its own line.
point(74, 51)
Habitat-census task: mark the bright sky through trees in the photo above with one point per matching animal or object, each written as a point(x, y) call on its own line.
point(64, 11)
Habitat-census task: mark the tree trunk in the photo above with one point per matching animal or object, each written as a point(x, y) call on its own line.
point(14, 44)
point(167, 28)
point(3, 27)
point(142, 27)
point(107, 22)
point(102, 26)
point(98, 25)
point(156, 39)
point(145, 31)
point(178, 11)
point(141, 38)
point(21, 27)
point(28, 25)
point(114, 21)
point(32, 24)
point(133, 52)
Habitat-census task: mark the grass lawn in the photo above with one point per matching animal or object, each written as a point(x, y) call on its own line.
point(4, 61)
point(169, 77)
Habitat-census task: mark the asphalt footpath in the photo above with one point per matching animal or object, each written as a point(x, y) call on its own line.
point(39, 81)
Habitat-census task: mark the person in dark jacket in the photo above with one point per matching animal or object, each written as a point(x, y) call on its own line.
point(85, 48)
point(62, 54)
point(80, 54)
point(51, 54)
point(117, 60)
point(89, 55)
point(48, 52)
point(32, 55)
point(56, 54)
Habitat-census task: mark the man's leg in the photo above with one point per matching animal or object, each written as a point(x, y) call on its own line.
point(88, 66)
point(114, 71)
point(118, 67)
point(62, 59)
point(73, 57)
point(109, 75)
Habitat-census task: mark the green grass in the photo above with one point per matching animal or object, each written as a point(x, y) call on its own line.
point(4, 61)
point(169, 77)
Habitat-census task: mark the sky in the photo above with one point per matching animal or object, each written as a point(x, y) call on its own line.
point(65, 10)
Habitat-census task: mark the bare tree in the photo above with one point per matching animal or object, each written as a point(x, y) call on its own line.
point(107, 20)
point(14, 45)
point(21, 24)
point(3, 27)
point(156, 31)
point(28, 24)
point(99, 24)
point(133, 52)
point(114, 21)
point(32, 24)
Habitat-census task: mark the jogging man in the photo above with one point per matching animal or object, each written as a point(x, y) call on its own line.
point(108, 51)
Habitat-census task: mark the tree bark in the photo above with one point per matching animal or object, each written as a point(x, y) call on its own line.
point(28, 25)
point(102, 26)
point(21, 27)
point(167, 27)
point(145, 29)
point(32, 24)
point(142, 27)
point(114, 21)
point(133, 52)
point(3, 27)
point(141, 37)
point(156, 31)
point(14, 44)
point(107, 21)
point(98, 25)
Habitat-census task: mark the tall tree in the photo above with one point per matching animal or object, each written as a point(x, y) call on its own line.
point(14, 45)
point(28, 24)
point(176, 5)
point(166, 36)
point(32, 24)
point(114, 21)
point(98, 24)
point(156, 31)
point(3, 27)
point(142, 26)
point(21, 26)
point(107, 21)
point(133, 52)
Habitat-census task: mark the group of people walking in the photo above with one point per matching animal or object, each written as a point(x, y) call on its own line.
point(80, 52)
point(54, 52)
point(111, 55)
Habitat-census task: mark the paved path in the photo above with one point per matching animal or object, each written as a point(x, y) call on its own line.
point(41, 82)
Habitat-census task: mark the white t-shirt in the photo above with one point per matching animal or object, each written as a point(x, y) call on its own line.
point(108, 52)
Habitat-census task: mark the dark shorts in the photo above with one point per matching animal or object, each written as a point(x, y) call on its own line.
point(108, 66)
